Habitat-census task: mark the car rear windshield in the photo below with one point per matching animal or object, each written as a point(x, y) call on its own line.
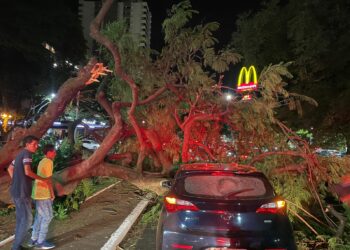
point(228, 187)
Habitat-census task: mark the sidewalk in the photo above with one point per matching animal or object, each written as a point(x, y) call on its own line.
point(91, 226)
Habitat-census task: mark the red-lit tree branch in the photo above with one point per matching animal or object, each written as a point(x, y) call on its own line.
point(206, 149)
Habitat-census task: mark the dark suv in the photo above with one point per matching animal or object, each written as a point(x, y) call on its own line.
point(223, 207)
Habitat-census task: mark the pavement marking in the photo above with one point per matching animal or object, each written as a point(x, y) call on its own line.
point(117, 237)
point(12, 237)
point(88, 198)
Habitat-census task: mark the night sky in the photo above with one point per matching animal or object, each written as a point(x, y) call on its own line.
point(223, 11)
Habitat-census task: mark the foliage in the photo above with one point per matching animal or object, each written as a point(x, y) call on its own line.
point(337, 244)
point(64, 152)
point(60, 211)
point(332, 141)
point(138, 63)
point(308, 34)
point(152, 215)
point(86, 109)
point(186, 65)
point(292, 189)
point(5, 211)
point(305, 134)
point(73, 200)
point(64, 205)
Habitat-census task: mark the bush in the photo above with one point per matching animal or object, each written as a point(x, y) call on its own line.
point(64, 205)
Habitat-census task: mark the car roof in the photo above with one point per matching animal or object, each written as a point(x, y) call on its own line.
point(235, 167)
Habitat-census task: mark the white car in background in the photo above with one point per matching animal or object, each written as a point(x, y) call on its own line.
point(329, 152)
point(90, 144)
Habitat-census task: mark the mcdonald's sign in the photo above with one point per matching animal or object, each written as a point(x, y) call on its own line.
point(247, 80)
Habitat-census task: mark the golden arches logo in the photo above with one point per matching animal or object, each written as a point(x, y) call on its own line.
point(250, 79)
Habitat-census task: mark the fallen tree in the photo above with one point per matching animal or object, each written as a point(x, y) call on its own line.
point(172, 109)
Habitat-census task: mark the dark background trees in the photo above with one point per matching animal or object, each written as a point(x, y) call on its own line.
point(315, 35)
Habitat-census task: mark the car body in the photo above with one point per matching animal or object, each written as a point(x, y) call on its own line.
point(58, 143)
point(213, 206)
point(90, 144)
point(329, 152)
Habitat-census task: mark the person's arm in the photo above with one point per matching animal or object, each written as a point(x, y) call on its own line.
point(28, 172)
point(10, 170)
point(52, 191)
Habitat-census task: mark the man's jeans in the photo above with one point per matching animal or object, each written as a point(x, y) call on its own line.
point(24, 220)
point(43, 217)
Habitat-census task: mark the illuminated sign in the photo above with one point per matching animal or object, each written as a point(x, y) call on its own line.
point(247, 97)
point(247, 80)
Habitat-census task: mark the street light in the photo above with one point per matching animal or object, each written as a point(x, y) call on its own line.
point(5, 121)
point(5, 115)
point(228, 97)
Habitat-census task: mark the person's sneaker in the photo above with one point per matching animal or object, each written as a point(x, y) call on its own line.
point(44, 245)
point(30, 243)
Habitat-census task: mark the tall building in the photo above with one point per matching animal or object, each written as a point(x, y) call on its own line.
point(135, 13)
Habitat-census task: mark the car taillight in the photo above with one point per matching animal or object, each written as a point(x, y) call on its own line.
point(173, 204)
point(275, 207)
point(181, 246)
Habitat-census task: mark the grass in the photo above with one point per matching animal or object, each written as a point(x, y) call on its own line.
point(102, 182)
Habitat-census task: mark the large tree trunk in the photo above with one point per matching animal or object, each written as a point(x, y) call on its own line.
point(157, 148)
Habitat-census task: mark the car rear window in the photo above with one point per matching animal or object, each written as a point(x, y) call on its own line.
point(227, 187)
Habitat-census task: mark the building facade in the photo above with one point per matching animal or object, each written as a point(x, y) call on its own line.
point(135, 13)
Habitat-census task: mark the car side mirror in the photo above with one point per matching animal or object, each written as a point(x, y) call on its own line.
point(166, 184)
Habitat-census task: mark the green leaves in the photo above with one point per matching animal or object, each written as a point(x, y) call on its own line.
point(221, 62)
point(64, 205)
point(179, 16)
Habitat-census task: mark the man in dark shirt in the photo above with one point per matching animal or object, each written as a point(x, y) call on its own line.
point(21, 188)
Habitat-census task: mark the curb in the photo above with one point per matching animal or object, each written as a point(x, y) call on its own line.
point(12, 237)
point(117, 237)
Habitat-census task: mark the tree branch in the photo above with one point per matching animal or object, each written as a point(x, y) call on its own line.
point(206, 149)
point(102, 100)
point(264, 155)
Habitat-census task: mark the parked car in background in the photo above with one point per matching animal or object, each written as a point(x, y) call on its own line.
point(90, 144)
point(58, 143)
point(222, 206)
point(329, 152)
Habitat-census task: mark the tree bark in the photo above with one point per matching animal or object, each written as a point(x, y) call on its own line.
point(157, 147)
point(187, 126)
